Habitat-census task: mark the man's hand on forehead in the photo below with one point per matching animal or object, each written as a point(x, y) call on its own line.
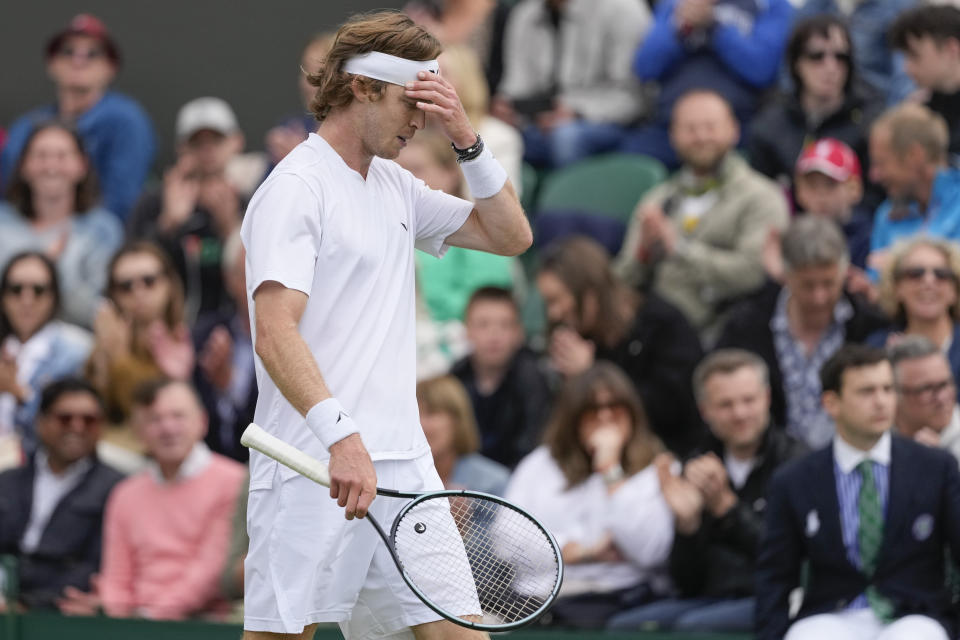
point(436, 96)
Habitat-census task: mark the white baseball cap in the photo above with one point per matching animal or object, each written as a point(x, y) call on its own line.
point(205, 113)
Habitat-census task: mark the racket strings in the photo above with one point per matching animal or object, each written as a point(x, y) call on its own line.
point(475, 557)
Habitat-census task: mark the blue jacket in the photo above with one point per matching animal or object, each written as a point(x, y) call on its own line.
point(117, 135)
point(803, 527)
point(941, 219)
point(738, 57)
point(869, 22)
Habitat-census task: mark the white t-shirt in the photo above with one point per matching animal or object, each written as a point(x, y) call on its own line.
point(315, 225)
point(636, 516)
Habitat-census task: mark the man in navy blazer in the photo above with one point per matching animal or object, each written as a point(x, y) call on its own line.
point(867, 577)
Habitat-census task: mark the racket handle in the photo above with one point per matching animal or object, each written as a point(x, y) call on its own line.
point(286, 454)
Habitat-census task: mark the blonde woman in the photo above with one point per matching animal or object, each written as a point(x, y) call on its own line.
point(919, 288)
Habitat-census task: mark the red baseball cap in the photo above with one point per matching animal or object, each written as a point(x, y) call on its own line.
point(830, 157)
point(85, 24)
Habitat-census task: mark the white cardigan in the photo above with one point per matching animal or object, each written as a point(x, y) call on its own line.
point(636, 516)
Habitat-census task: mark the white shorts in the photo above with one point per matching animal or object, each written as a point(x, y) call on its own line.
point(307, 563)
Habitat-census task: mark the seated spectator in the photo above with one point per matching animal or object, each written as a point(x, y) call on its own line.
point(729, 47)
point(224, 376)
point(718, 501)
point(827, 101)
point(83, 60)
point(593, 484)
point(566, 80)
point(594, 316)
point(292, 130)
point(509, 392)
point(869, 21)
point(864, 524)
point(446, 284)
point(447, 420)
point(796, 327)
point(51, 509)
point(139, 333)
point(919, 290)
point(908, 157)
point(460, 65)
point(929, 36)
point(827, 183)
point(927, 409)
point(52, 208)
point(35, 348)
point(196, 209)
point(697, 238)
point(167, 529)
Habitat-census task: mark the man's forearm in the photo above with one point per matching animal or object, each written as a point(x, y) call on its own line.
point(503, 220)
point(292, 367)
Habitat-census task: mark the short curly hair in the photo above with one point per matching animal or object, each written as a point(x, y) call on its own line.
point(888, 276)
point(390, 32)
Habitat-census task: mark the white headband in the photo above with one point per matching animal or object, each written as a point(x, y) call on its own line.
point(383, 66)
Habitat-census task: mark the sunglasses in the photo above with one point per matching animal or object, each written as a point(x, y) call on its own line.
point(148, 281)
point(942, 274)
point(928, 390)
point(83, 53)
point(89, 420)
point(592, 410)
point(17, 288)
point(820, 56)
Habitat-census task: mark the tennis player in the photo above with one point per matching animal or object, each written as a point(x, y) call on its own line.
point(330, 238)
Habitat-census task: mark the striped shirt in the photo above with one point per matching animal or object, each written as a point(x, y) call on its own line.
point(845, 461)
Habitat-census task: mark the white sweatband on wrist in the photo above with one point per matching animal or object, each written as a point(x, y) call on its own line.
point(383, 66)
point(485, 176)
point(330, 423)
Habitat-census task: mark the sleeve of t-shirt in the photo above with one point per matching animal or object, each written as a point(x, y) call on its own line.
point(281, 233)
point(435, 216)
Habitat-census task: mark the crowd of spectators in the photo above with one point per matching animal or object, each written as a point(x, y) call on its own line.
point(746, 418)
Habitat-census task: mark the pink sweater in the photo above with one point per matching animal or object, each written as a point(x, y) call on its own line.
point(165, 544)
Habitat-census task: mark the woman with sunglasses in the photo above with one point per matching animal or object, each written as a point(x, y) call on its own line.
point(139, 331)
point(826, 102)
point(593, 484)
point(919, 289)
point(35, 347)
point(52, 208)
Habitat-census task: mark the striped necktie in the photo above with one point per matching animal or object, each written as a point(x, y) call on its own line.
point(869, 538)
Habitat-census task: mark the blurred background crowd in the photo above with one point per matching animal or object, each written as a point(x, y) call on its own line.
point(725, 194)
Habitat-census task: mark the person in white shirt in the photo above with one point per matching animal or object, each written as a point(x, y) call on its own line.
point(593, 484)
point(927, 409)
point(330, 238)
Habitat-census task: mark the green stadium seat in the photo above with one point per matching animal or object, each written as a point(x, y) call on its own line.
point(610, 185)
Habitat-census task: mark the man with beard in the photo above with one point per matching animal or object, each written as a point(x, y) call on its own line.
point(697, 238)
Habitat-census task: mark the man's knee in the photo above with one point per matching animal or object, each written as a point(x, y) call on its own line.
point(446, 630)
point(306, 634)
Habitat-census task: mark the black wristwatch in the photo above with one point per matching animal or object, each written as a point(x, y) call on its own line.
point(471, 152)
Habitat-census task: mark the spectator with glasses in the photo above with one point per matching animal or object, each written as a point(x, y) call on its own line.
point(594, 484)
point(927, 409)
point(826, 102)
point(51, 509)
point(35, 348)
point(140, 333)
point(83, 60)
point(53, 208)
point(919, 289)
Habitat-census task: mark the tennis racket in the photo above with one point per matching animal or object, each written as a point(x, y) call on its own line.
point(473, 558)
